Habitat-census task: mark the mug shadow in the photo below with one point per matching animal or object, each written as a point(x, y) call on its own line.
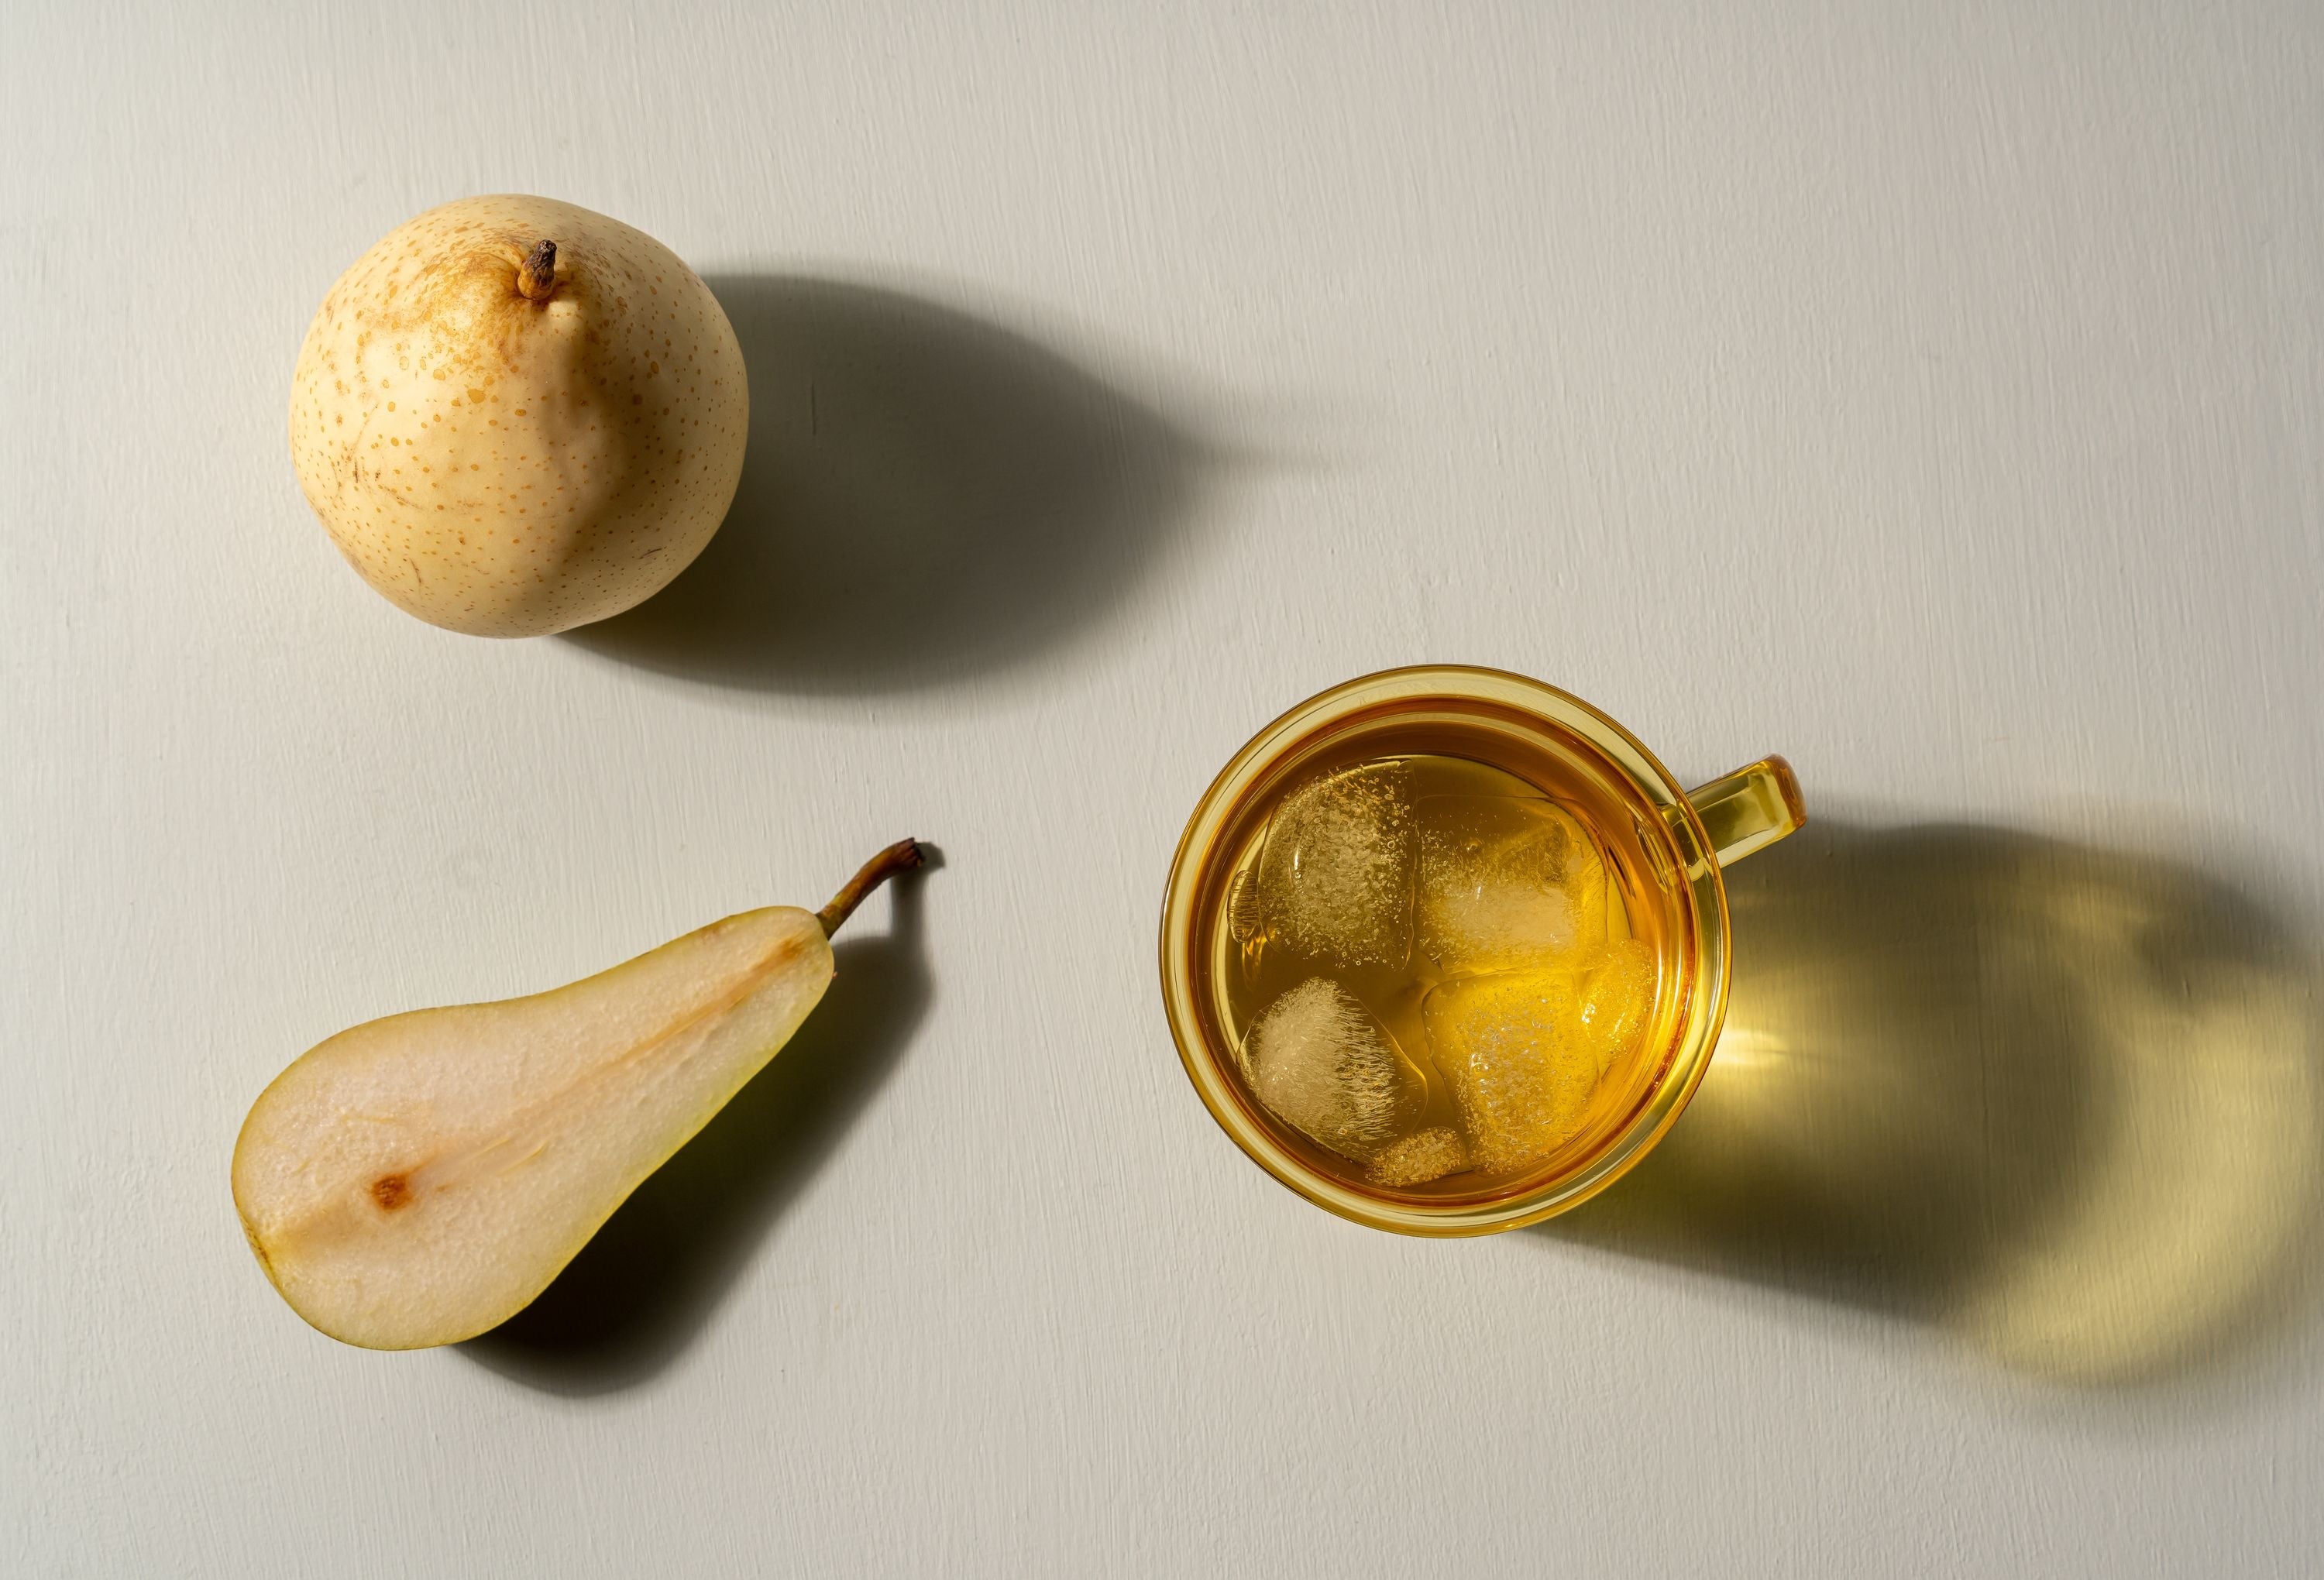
point(644, 1288)
point(926, 496)
point(2062, 1103)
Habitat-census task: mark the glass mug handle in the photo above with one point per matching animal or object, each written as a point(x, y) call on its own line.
point(1749, 809)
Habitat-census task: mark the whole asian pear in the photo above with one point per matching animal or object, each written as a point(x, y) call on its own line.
point(515, 416)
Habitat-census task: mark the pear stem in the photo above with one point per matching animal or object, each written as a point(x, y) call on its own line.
point(900, 857)
point(535, 277)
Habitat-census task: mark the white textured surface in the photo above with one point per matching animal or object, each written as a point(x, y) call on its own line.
point(1932, 392)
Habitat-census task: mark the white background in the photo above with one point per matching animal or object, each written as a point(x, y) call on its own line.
point(1932, 392)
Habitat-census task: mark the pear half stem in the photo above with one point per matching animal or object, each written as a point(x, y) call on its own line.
point(535, 277)
point(900, 857)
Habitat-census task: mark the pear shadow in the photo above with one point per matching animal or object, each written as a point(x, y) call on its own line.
point(927, 497)
point(2064, 1104)
point(644, 1288)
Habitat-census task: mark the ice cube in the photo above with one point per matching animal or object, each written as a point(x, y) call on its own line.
point(1418, 1158)
point(1502, 1043)
point(1335, 873)
point(1506, 883)
point(1323, 1063)
point(1617, 1000)
point(1523, 1051)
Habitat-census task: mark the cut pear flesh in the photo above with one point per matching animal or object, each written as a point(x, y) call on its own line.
point(417, 1179)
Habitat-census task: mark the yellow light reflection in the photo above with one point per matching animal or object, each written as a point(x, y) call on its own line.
point(2061, 1101)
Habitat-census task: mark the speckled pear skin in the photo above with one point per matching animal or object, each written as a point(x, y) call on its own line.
point(507, 467)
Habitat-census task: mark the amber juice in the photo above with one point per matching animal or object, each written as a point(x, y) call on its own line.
point(1446, 957)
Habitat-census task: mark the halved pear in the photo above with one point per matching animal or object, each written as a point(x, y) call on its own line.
point(417, 1179)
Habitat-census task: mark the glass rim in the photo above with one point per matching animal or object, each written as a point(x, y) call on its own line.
point(1699, 1020)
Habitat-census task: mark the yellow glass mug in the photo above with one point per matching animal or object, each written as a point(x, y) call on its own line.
point(1667, 845)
